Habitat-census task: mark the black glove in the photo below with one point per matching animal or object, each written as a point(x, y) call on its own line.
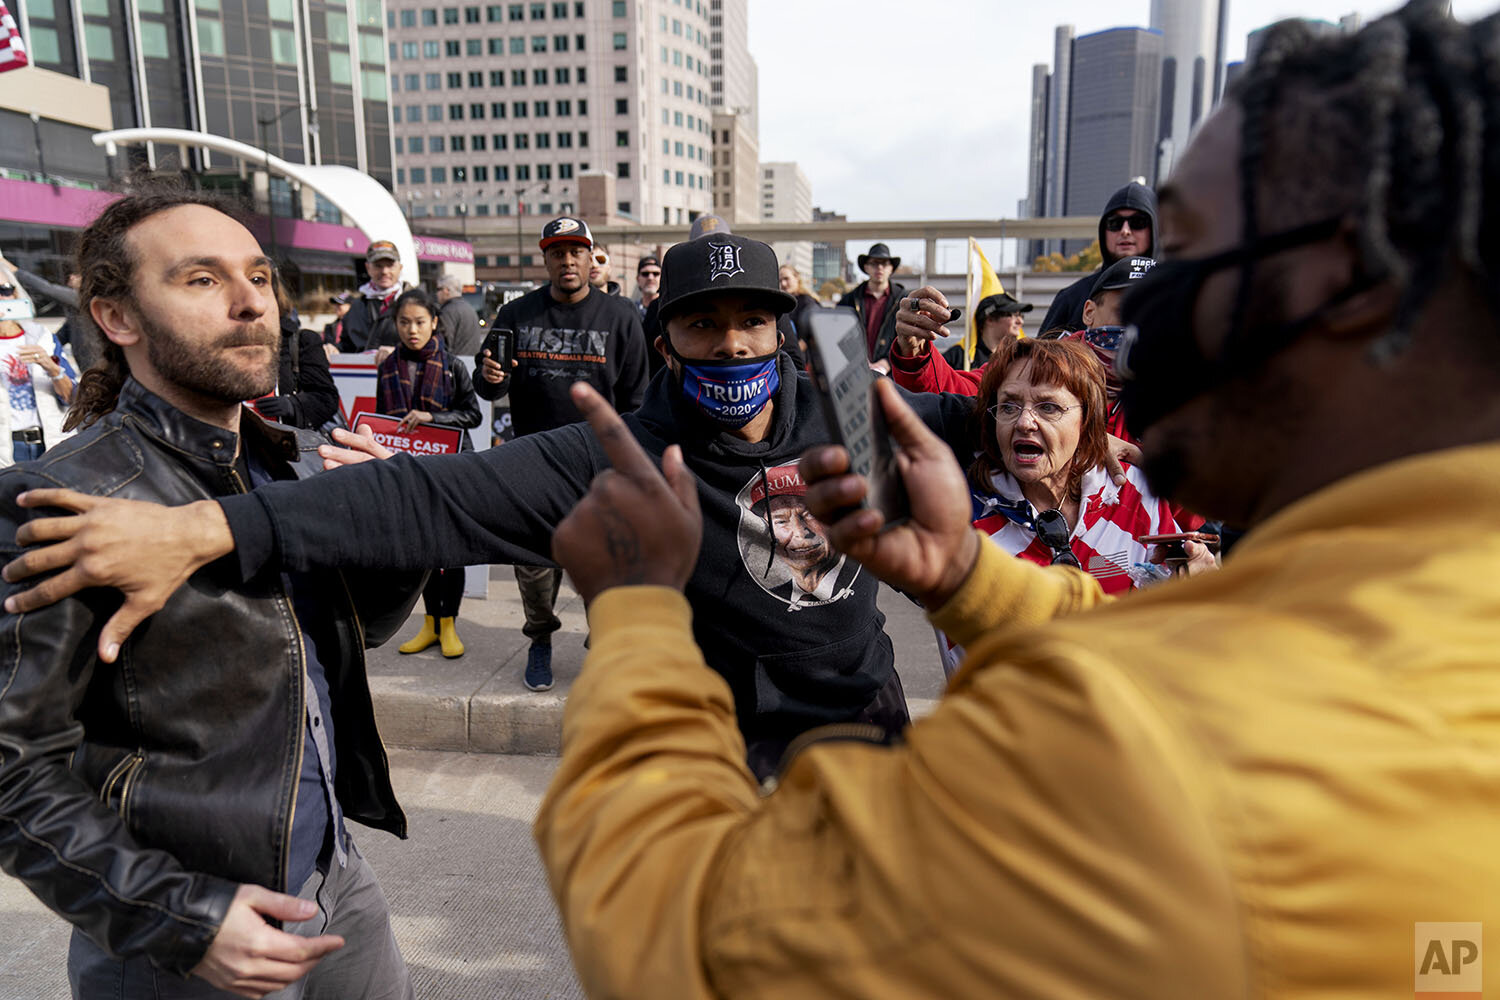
point(276, 407)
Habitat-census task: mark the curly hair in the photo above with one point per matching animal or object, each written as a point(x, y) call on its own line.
point(1067, 364)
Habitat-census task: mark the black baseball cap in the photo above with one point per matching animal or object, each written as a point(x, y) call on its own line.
point(720, 262)
point(1000, 304)
point(650, 258)
point(566, 229)
point(1120, 274)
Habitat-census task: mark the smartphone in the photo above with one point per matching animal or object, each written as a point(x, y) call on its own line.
point(1207, 538)
point(501, 344)
point(846, 386)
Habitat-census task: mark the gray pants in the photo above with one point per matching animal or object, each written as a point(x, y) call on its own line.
point(538, 585)
point(350, 904)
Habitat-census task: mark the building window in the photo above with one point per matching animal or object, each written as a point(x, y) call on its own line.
point(414, 112)
point(539, 77)
point(621, 41)
point(583, 108)
point(413, 81)
point(435, 144)
point(677, 178)
point(578, 8)
point(622, 137)
point(483, 208)
point(434, 112)
point(666, 178)
point(455, 81)
point(539, 43)
point(622, 105)
point(497, 78)
point(419, 175)
point(544, 173)
point(565, 171)
point(408, 50)
point(523, 172)
point(398, 145)
point(538, 12)
point(450, 15)
point(502, 173)
point(560, 74)
point(497, 109)
point(564, 109)
point(452, 48)
point(439, 175)
point(541, 109)
point(456, 143)
point(408, 19)
point(676, 27)
point(434, 81)
point(431, 50)
point(518, 109)
point(494, 12)
point(677, 148)
point(583, 142)
point(622, 75)
point(481, 174)
point(560, 11)
point(677, 118)
point(438, 210)
point(455, 112)
point(565, 140)
point(518, 46)
point(400, 174)
point(419, 211)
point(518, 78)
point(622, 170)
point(622, 207)
point(523, 141)
point(517, 12)
point(460, 174)
point(474, 46)
point(578, 44)
point(559, 43)
point(544, 140)
point(618, 8)
point(500, 140)
point(429, 17)
point(476, 110)
point(477, 143)
point(471, 15)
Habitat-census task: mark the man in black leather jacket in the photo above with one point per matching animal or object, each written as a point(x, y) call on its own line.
point(168, 803)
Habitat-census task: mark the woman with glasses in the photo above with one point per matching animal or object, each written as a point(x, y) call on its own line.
point(1038, 483)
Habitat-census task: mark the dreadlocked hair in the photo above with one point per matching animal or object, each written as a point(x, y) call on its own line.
point(1402, 121)
point(106, 264)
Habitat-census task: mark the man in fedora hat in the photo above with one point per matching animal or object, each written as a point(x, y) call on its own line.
point(369, 324)
point(874, 299)
point(996, 317)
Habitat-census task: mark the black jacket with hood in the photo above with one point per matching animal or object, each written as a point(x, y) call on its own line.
point(794, 659)
point(854, 299)
point(1067, 308)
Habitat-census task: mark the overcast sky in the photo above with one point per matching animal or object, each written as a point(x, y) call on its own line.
point(921, 110)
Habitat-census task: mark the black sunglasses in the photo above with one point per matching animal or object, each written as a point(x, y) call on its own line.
point(1052, 528)
point(6, 291)
point(1115, 223)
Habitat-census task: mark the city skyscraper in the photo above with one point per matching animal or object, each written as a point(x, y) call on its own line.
point(735, 159)
point(512, 102)
point(1191, 68)
point(1112, 117)
point(220, 66)
point(786, 196)
point(735, 79)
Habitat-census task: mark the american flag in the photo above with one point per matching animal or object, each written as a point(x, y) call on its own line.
point(12, 49)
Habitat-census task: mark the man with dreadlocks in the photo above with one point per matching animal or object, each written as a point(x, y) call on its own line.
point(174, 804)
point(1264, 782)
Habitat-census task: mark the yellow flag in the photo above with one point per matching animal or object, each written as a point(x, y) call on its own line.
point(982, 284)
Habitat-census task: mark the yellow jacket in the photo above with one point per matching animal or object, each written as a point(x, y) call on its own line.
point(1253, 783)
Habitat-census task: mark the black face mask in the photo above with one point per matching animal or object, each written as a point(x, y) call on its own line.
point(1160, 361)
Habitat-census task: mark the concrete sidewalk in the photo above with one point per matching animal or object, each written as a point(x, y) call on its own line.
point(469, 903)
point(476, 703)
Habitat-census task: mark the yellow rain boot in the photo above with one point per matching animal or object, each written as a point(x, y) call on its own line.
point(452, 644)
point(424, 638)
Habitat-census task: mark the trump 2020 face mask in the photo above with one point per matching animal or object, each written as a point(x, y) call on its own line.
point(730, 391)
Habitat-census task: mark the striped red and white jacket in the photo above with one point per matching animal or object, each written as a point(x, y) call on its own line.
point(1110, 520)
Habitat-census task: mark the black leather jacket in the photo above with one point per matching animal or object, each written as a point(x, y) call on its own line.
point(855, 299)
point(135, 797)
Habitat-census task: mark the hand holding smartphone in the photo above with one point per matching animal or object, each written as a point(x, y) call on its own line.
point(845, 385)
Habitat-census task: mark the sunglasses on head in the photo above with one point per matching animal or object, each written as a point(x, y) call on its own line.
point(1052, 528)
point(1115, 223)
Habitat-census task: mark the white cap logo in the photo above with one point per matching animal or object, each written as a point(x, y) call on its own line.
point(723, 261)
point(562, 226)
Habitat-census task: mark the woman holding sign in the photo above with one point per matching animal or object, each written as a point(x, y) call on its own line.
point(422, 383)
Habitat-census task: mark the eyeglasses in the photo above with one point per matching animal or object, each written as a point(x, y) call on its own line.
point(1115, 223)
point(1045, 410)
point(1053, 531)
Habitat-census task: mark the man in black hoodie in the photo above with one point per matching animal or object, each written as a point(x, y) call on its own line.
point(1127, 228)
point(567, 331)
point(800, 646)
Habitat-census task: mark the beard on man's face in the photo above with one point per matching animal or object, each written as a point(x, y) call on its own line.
point(202, 367)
